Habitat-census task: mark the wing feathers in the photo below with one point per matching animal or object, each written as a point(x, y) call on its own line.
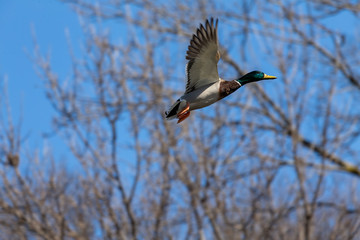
point(196, 40)
point(203, 55)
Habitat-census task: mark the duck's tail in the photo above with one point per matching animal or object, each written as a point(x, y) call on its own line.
point(179, 105)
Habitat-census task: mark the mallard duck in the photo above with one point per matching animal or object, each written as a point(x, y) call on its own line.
point(204, 86)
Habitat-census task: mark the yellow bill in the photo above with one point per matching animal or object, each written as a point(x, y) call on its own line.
point(269, 77)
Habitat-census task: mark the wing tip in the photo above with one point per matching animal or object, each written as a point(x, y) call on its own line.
point(203, 35)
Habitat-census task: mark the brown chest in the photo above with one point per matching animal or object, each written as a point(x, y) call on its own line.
point(227, 88)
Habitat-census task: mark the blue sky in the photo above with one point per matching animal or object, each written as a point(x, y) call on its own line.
point(49, 20)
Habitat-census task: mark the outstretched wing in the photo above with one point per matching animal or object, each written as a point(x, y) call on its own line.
point(203, 55)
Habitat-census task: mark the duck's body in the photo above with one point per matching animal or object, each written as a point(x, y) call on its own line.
point(203, 96)
point(204, 86)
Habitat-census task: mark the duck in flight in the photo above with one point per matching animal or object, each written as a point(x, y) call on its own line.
point(204, 86)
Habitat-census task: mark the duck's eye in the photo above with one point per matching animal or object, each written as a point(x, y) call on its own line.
point(260, 75)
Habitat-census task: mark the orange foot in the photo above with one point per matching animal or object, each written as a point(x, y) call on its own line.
point(184, 113)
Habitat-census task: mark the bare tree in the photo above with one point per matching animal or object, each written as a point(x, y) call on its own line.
point(276, 160)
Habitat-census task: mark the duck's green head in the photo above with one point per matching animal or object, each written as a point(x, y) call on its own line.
point(254, 76)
